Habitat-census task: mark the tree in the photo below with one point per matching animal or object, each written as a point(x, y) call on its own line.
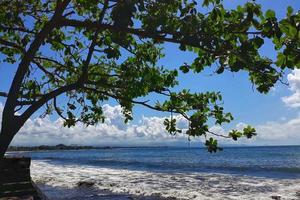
point(76, 49)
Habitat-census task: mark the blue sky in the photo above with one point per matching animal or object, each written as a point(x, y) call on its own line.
point(246, 105)
point(239, 98)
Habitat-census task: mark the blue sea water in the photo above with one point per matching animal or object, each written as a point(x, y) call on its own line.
point(272, 162)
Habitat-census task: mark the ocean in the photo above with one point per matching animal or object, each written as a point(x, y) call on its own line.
point(169, 173)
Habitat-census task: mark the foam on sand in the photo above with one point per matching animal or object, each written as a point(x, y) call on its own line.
point(185, 186)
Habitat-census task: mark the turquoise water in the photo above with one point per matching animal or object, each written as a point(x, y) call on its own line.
point(272, 162)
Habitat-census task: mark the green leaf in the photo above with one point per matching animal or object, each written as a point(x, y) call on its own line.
point(184, 68)
point(235, 134)
point(212, 145)
point(280, 59)
point(249, 132)
point(258, 42)
point(290, 11)
point(270, 14)
point(220, 70)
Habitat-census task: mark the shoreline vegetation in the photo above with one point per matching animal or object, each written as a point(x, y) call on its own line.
point(70, 147)
point(54, 147)
point(90, 147)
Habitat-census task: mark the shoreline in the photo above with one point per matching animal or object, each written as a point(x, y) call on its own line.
point(172, 174)
point(93, 183)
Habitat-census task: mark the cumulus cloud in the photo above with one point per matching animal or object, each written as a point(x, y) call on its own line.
point(279, 133)
point(294, 82)
point(282, 132)
point(147, 131)
point(114, 132)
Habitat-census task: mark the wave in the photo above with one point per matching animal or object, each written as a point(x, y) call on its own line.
point(183, 185)
point(166, 167)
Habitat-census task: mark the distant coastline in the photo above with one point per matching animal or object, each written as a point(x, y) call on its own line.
point(56, 147)
point(83, 147)
point(70, 147)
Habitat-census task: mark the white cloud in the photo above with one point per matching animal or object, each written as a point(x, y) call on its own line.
point(294, 82)
point(281, 132)
point(147, 131)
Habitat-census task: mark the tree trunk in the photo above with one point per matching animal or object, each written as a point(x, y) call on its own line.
point(6, 136)
point(5, 140)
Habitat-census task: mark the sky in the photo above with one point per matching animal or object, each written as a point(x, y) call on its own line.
point(276, 116)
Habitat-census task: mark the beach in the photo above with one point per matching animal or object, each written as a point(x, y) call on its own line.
point(61, 182)
point(168, 173)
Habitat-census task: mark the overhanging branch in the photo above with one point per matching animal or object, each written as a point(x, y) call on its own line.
point(3, 94)
point(58, 111)
point(11, 44)
point(157, 35)
point(45, 98)
point(21, 29)
point(100, 26)
point(143, 103)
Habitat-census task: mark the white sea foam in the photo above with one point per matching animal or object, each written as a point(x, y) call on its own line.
point(185, 186)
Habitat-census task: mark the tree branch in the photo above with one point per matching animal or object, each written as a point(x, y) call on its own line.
point(48, 73)
point(3, 94)
point(43, 69)
point(8, 112)
point(21, 29)
point(143, 103)
point(84, 76)
point(50, 60)
point(11, 44)
point(218, 135)
point(45, 98)
point(158, 35)
point(58, 111)
point(25, 103)
point(99, 26)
